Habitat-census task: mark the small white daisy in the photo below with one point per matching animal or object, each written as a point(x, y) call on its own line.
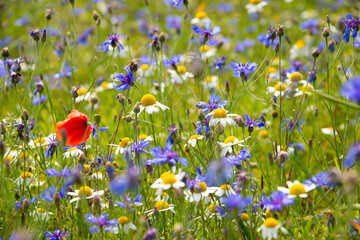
point(328, 131)
point(72, 152)
point(83, 95)
point(193, 140)
point(161, 206)
point(255, 6)
point(304, 88)
point(97, 175)
point(225, 189)
point(207, 52)
point(221, 116)
point(229, 143)
point(300, 49)
point(211, 82)
point(145, 137)
point(211, 211)
point(296, 189)
point(41, 214)
point(269, 229)
point(200, 19)
point(150, 104)
point(124, 223)
point(275, 90)
point(84, 192)
point(105, 85)
point(168, 180)
point(124, 142)
point(179, 76)
point(195, 195)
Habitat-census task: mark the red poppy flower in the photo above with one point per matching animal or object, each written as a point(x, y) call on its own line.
point(76, 128)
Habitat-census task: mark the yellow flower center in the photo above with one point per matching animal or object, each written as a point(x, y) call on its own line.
point(195, 136)
point(271, 70)
point(42, 177)
point(255, 2)
point(123, 220)
point(144, 66)
point(148, 100)
point(208, 79)
point(39, 140)
point(295, 77)
point(9, 159)
point(306, 88)
point(81, 91)
point(230, 139)
point(204, 48)
point(212, 208)
point(86, 168)
point(71, 149)
point(164, 194)
point(202, 187)
point(297, 189)
point(143, 136)
point(268, 213)
point(244, 217)
point(271, 222)
point(104, 84)
point(85, 191)
point(200, 15)
point(124, 142)
point(219, 113)
point(41, 210)
point(225, 187)
point(181, 69)
point(264, 134)
point(300, 43)
point(168, 178)
point(26, 175)
point(160, 205)
point(279, 86)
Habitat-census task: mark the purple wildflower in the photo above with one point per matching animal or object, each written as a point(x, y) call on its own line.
point(277, 201)
point(207, 33)
point(243, 70)
point(351, 89)
point(237, 202)
point(127, 80)
point(250, 123)
point(56, 235)
point(351, 24)
point(139, 146)
point(311, 25)
point(113, 41)
point(218, 63)
point(175, 59)
point(162, 156)
point(213, 103)
point(353, 155)
point(101, 221)
point(53, 172)
point(236, 160)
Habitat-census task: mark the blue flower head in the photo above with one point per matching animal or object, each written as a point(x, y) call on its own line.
point(113, 41)
point(352, 156)
point(165, 156)
point(126, 80)
point(277, 201)
point(352, 25)
point(243, 70)
point(207, 33)
point(351, 89)
point(213, 103)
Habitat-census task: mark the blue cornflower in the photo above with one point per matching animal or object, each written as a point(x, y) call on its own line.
point(56, 235)
point(174, 22)
point(83, 39)
point(353, 155)
point(20, 204)
point(52, 147)
point(113, 41)
point(119, 185)
point(13, 64)
point(218, 173)
point(297, 66)
point(241, 46)
point(237, 202)
point(166, 156)
point(37, 100)
point(129, 203)
point(351, 24)
point(290, 125)
point(277, 201)
point(95, 130)
point(205, 126)
point(22, 21)
point(53, 172)
point(101, 221)
point(48, 194)
point(127, 80)
point(320, 179)
point(263, 39)
point(213, 103)
point(207, 33)
point(177, 3)
point(139, 146)
point(66, 72)
point(193, 183)
point(250, 123)
point(218, 63)
point(236, 160)
point(311, 25)
point(351, 89)
point(175, 59)
point(173, 129)
point(243, 70)
point(145, 59)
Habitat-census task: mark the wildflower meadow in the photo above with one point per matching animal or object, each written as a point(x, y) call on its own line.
point(179, 119)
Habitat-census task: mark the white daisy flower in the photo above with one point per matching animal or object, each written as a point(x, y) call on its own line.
point(168, 180)
point(193, 140)
point(211, 211)
point(296, 189)
point(124, 223)
point(11, 155)
point(84, 192)
point(229, 143)
point(150, 104)
point(161, 206)
point(195, 195)
point(275, 90)
point(289, 149)
point(26, 177)
point(105, 85)
point(145, 137)
point(145, 70)
point(164, 197)
point(97, 175)
point(124, 142)
point(42, 141)
point(39, 181)
point(83, 95)
point(304, 87)
point(221, 116)
point(211, 82)
point(207, 52)
point(328, 131)
point(255, 6)
point(225, 189)
point(72, 152)
point(272, 74)
point(200, 19)
point(300, 49)
point(179, 76)
point(41, 214)
point(269, 229)
point(245, 218)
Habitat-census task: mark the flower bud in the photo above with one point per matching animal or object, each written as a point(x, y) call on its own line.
point(325, 32)
point(316, 112)
point(2, 129)
point(136, 109)
point(201, 115)
point(227, 86)
point(2, 150)
point(274, 114)
point(277, 48)
point(57, 199)
point(162, 37)
point(95, 15)
point(5, 52)
point(98, 21)
point(43, 36)
point(219, 129)
point(280, 31)
point(239, 120)
point(97, 117)
point(315, 53)
point(94, 99)
point(327, 19)
point(121, 99)
point(48, 14)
